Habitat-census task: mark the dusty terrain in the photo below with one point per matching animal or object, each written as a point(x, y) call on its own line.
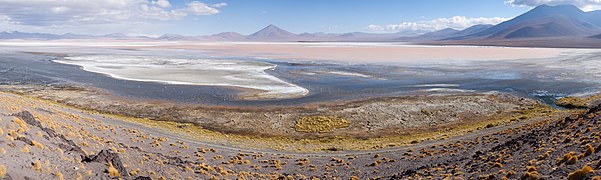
point(376, 117)
point(45, 140)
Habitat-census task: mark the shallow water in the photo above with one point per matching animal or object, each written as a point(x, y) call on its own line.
point(545, 79)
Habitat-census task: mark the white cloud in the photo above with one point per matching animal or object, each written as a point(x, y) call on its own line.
point(218, 5)
point(162, 3)
point(456, 22)
point(81, 12)
point(200, 8)
point(587, 5)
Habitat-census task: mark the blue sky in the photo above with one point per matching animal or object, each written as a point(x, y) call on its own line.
point(200, 17)
point(342, 15)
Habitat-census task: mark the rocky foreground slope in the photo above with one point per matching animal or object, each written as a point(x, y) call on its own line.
point(42, 140)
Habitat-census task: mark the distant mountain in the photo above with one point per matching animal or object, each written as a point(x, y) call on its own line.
point(598, 36)
point(76, 36)
point(272, 32)
point(446, 33)
point(472, 30)
point(175, 37)
point(226, 36)
point(435, 35)
point(24, 35)
point(543, 21)
point(115, 35)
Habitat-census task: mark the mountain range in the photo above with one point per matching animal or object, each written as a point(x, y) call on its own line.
point(555, 26)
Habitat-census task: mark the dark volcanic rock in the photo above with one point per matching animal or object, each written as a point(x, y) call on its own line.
point(106, 156)
point(28, 118)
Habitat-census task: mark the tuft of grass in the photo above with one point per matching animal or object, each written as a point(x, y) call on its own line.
point(78, 176)
point(25, 149)
point(113, 172)
point(375, 163)
point(581, 173)
point(589, 150)
point(531, 169)
point(37, 165)
point(2, 171)
point(37, 144)
point(311, 124)
point(59, 175)
point(499, 165)
point(531, 175)
point(572, 160)
point(10, 138)
point(22, 124)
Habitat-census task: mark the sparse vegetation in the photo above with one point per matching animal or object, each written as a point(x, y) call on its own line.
point(37, 144)
point(2, 171)
point(320, 124)
point(59, 175)
point(37, 165)
point(581, 133)
point(25, 149)
point(589, 150)
point(113, 172)
point(577, 102)
point(581, 173)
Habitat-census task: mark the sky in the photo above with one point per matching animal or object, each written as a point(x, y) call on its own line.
point(203, 17)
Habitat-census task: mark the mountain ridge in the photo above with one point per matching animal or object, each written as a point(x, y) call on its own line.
point(541, 26)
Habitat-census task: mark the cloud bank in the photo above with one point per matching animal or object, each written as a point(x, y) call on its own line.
point(456, 22)
point(82, 12)
point(586, 5)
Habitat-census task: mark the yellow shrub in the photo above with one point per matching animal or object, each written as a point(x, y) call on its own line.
point(59, 175)
point(78, 176)
point(10, 138)
point(2, 171)
point(589, 150)
point(37, 144)
point(499, 165)
point(37, 165)
point(25, 149)
point(21, 123)
point(572, 160)
point(112, 171)
point(581, 173)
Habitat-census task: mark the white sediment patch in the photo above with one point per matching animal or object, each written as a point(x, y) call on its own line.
point(345, 73)
point(437, 85)
point(447, 90)
point(206, 72)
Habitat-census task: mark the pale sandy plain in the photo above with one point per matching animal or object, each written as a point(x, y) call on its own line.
point(396, 53)
point(329, 51)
